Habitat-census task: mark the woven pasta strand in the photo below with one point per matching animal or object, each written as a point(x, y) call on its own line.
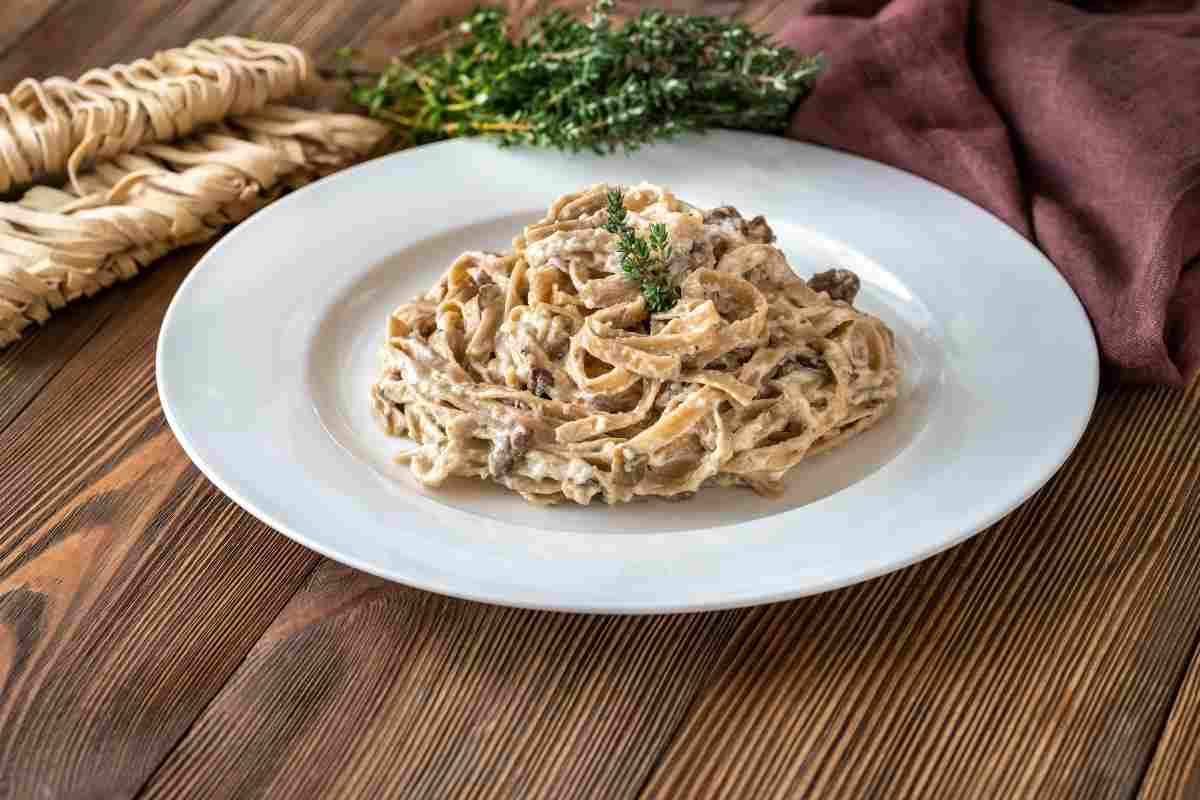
point(59, 127)
point(60, 244)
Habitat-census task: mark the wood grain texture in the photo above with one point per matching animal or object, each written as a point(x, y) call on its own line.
point(130, 588)
point(1040, 659)
point(77, 35)
point(22, 16)
point(154, 637)
point(365, 689)
point(1175, 770)
point(29, 364)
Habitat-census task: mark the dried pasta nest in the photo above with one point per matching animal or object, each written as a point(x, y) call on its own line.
point(150, 157)
point(62, 126)
point(542, 370)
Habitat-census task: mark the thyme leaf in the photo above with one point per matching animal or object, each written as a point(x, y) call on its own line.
point(643, 260)
point(583, 84)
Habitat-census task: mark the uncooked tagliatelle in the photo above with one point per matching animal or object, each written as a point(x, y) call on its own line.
point(136, 160)
point(541, 368)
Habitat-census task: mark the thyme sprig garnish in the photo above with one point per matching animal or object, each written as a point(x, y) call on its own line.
point(642, 259)
point(584, 85)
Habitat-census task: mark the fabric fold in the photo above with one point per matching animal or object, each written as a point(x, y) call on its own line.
point(1076, 128)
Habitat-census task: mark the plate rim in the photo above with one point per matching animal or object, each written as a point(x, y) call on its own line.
point(230, 239)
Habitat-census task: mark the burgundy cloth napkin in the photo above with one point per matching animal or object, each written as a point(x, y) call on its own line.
point(1080, 129)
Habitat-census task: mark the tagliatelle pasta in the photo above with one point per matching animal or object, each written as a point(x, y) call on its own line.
point(133, 161)
point(60, 126)
point(543, 370)
point(115, 219)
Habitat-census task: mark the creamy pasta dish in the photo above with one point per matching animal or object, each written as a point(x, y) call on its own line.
point(649, 351)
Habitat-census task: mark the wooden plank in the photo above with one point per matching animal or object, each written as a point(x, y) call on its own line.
point(29, 364)
point(130, 589)
point(1175, 769)
point(366, 689)
point(78, 35)
point(1040, 659)
point(127, 582)
point(39, 38)
point(20, 16)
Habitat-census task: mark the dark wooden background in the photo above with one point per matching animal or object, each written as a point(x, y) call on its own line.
point(157, 640)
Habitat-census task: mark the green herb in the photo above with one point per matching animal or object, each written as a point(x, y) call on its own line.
point(578, 85)
point(643, 260)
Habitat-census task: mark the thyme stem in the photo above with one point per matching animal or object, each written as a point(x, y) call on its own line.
point(642, 260)
point(584, 85)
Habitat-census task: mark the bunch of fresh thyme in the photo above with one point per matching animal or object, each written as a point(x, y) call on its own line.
point(644, 261)
point(585, 85)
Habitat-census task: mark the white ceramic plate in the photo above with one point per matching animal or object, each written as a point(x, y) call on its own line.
point(268, 350)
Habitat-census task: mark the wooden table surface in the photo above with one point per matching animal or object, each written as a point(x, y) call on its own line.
point(157, 640)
